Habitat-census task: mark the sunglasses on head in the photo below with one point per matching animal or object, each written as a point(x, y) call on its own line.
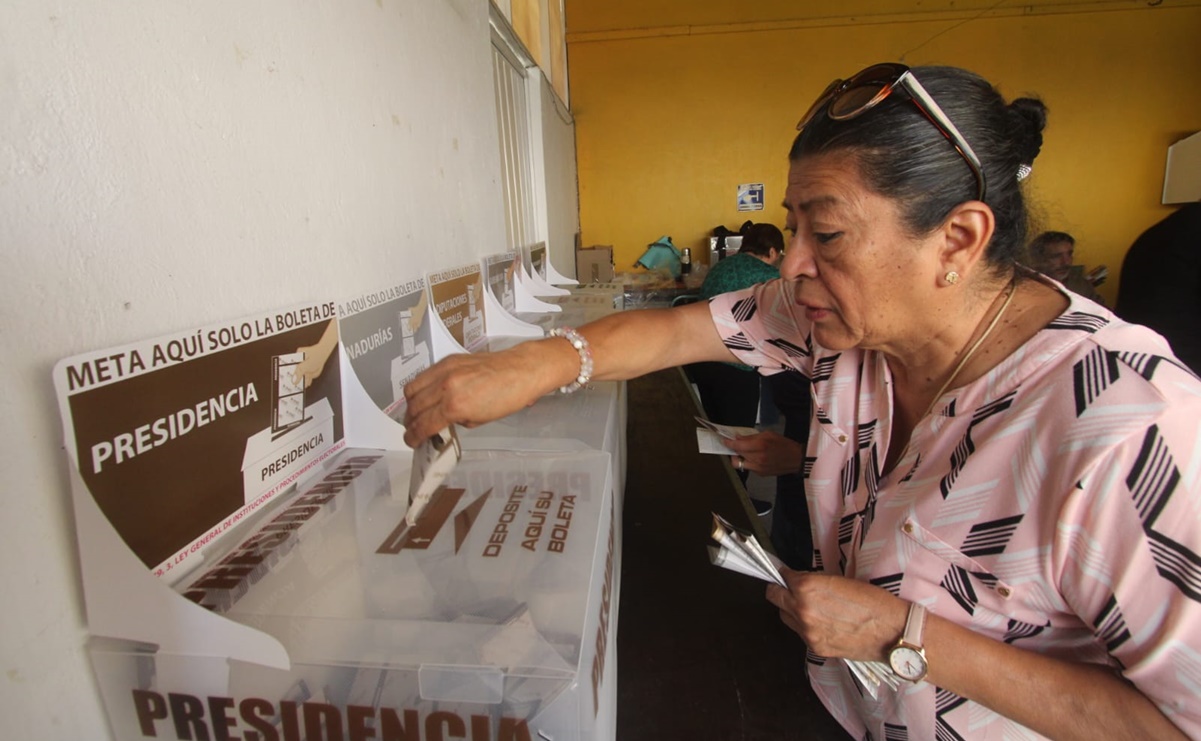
point(846, 99)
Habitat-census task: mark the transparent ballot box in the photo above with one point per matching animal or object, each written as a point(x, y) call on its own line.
point(593, 417)
point(489, 618)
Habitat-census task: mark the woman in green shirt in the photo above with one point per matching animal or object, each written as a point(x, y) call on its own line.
point(757, 261)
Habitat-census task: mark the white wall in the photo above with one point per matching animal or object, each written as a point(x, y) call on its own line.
point(167, 164)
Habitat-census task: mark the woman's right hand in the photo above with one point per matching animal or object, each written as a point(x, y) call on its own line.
point(472, 389)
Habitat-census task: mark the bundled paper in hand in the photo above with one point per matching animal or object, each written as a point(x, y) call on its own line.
point(709, 436)
point(433, 460)
point(741, 552)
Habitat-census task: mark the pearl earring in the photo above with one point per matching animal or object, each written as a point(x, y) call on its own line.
point(952, 277)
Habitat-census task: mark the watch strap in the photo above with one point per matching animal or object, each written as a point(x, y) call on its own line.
point(915, 625)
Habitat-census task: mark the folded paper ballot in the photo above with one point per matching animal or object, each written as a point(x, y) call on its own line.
point(741, 552)
point(739, 549)
point(433, 460)
point(709, 436)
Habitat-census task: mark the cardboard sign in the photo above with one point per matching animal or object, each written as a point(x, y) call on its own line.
point(501, 275)
point(458, 297)
point(538, 260)
point(179, 437)
point(386, 337)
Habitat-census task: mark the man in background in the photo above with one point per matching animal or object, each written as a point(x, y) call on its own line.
point(1161, 282)
point(1051, 253)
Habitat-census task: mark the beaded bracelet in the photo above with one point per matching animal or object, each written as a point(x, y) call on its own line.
point(581, 346)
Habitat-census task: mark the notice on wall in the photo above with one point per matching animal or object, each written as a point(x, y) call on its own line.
point(458, 297)
point(386, 337)
point(750, 197)
point(179, 438)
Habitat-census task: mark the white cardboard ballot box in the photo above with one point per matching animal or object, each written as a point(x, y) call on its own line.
point(488, 619)
point(296, 603)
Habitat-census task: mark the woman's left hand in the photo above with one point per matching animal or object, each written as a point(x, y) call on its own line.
point(840, 617)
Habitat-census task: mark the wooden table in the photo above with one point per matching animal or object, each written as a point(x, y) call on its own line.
point(700, 653)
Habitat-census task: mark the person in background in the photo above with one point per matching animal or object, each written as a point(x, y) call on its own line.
point(730, 392)
point(1161, 282)
point(1000, 473)
point(1051, 253)
point(734, 392)
point(758, 260)
point(769, 453)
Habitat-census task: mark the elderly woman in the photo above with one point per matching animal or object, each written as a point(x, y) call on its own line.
point(1003, 478)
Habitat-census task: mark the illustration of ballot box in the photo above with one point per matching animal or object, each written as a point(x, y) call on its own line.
point(406, 367)
point(488, 619)
point(272, 458)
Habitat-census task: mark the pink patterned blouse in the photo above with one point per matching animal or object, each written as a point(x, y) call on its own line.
point(1054, 504)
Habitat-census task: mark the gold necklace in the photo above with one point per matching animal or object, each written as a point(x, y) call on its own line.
point(962, 362)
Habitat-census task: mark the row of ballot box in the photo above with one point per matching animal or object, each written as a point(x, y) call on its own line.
point(241, 493)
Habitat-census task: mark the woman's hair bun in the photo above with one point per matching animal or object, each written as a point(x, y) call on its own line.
point(1029, 118)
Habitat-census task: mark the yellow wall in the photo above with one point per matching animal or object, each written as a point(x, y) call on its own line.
point(669, 123)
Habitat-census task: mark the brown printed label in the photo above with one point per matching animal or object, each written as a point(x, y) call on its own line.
point(179, 438)
point(186, 716)
point(458, 299)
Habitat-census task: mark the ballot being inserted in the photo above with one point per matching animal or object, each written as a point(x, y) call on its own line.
point(710, 436)
point(740, 551)
point(433, 460)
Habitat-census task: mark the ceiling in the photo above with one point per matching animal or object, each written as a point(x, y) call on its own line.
point(607, 17)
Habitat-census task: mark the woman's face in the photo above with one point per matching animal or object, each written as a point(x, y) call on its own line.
point(860, 277)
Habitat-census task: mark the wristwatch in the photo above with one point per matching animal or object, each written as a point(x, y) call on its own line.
point(908, 657)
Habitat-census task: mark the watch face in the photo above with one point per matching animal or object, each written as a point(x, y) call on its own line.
point(908, 663)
